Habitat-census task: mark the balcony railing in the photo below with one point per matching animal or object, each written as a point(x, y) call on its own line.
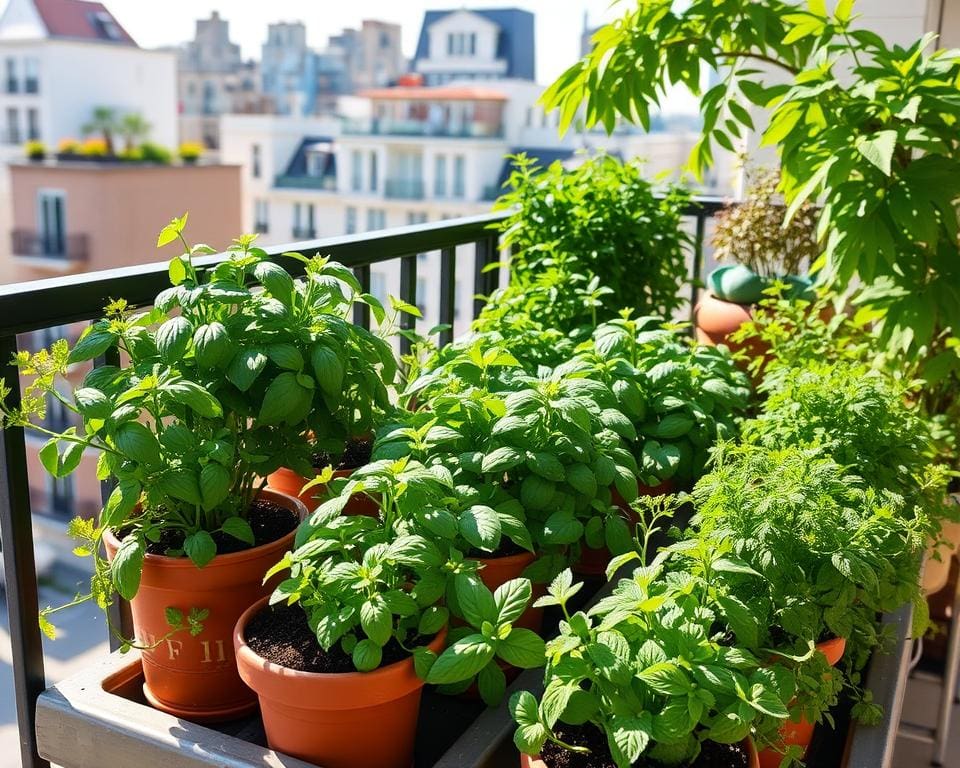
point(390, 127)
point(305, 182)
point(28, 307)
point(72, 248)
point(404, 189)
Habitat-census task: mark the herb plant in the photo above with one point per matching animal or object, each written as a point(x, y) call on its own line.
point(604, 220)
point(645, 668)
point(222, 381)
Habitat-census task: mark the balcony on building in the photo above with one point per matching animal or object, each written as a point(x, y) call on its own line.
point(445, 111)
point(313, 166)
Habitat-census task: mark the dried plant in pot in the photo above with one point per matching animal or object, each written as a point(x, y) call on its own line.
point(213, 395)
point(643, 676)
point(769, 249)
point(361, 622)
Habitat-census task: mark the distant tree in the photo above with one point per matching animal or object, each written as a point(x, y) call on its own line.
point(134, 129)
point(104, 122)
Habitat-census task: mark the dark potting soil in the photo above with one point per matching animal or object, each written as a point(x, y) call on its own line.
point(356, 454)
point(269, 522)
point(280, 633)
point(712, 755)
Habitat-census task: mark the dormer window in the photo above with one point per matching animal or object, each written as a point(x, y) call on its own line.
point(462, 44)
point(105, 26)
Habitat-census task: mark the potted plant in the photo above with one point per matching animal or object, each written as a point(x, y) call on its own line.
point(644, 675)
point(215, 394)
point(155, 153)
point(94, 149)
point(340, 655)
point(68, 149)
point(766, 248)
point(190, 152)
point(359, 367)
point(35, 150)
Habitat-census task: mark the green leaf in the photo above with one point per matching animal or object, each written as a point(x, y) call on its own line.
point(492, 684)
point(92, 344)
point(71, 458)
point(562, 528)
point(238, 528)
point(536, 492)
point(522, 648)
point(432, 620)
point(511, 599)
point(376, 620)
point(879, 149)
point(462, 660)
point(120, 503)
point(200, 548)
point(741, 619)
point(276, 280)
point(212, 344)
point(138, 443)
point(92, 403)
point(581, 477)
point(367, 655)
point(127, 567)
point(182, 484)
point(500, 460)
point(423, 659)
point(286, 356)
point(50, 457)
point(673, 426)
point(195, 397)
point(285, 400)
point(475, 601)
point(480, 526)
point(173, 337)
point(764, 700)
point(328, 369)
point(245, 367)
point(629, 737)
point(547, 465)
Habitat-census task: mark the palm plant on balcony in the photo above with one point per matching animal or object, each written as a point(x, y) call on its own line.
point(221, 384)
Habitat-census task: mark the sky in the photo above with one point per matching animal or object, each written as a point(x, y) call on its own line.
point(154, 24)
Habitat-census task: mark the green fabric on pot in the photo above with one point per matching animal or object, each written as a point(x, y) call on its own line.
point(741, 285)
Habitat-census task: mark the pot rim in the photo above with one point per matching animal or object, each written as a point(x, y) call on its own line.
point(272, 668)
point(232, 558)
point(508, 559)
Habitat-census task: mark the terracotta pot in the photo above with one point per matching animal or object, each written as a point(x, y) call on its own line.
point(289, 482)
point(936, 572)
point(593, 562)
point(495, 571)
point(801, 732)
point(535, 762)
point(196, 677)
point(336, 720)
point(716, 320)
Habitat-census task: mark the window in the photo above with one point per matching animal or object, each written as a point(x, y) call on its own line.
point(373, 172)
point(13, 84)
point(261, 216)
point(13, 125)
point(60, 495)
point(51, 222)
point(356, 170)
point(209, 97)
point(351, 225)
point(31, 75)
point(378, 285)
point(462, 44)
point(416, 217)
point(33, 124)
point(255, 161)
point(105, 26)
point(304, 220)
point(440, 176)
point(459, 172)
point(376, 219)
point(421, 298)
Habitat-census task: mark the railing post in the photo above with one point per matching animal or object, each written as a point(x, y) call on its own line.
point(697, 263)
point(484, 282)
point(19, 569)
point(408, 293)
point(448, 297)
point(361, 312)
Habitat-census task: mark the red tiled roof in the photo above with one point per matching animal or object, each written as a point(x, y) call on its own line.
point(77, 20)
point(438, 93)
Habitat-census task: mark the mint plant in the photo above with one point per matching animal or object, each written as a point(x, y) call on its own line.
point(645, 669)
point(223, 379)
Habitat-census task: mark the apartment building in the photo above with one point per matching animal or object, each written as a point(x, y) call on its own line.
point(213, 79)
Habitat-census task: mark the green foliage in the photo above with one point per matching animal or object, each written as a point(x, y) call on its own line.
point(599, 219)
point(645, 666)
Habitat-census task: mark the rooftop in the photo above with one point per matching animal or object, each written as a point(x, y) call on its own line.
point(81, 20)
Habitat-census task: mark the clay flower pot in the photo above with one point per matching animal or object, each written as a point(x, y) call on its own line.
point(535, 762)
point(499, 570)
point(289, 482)
point(196, 677)
point(594, 561)
point(801, 731)
point(339, 720)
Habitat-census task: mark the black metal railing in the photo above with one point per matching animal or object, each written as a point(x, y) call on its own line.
point(28, 307)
